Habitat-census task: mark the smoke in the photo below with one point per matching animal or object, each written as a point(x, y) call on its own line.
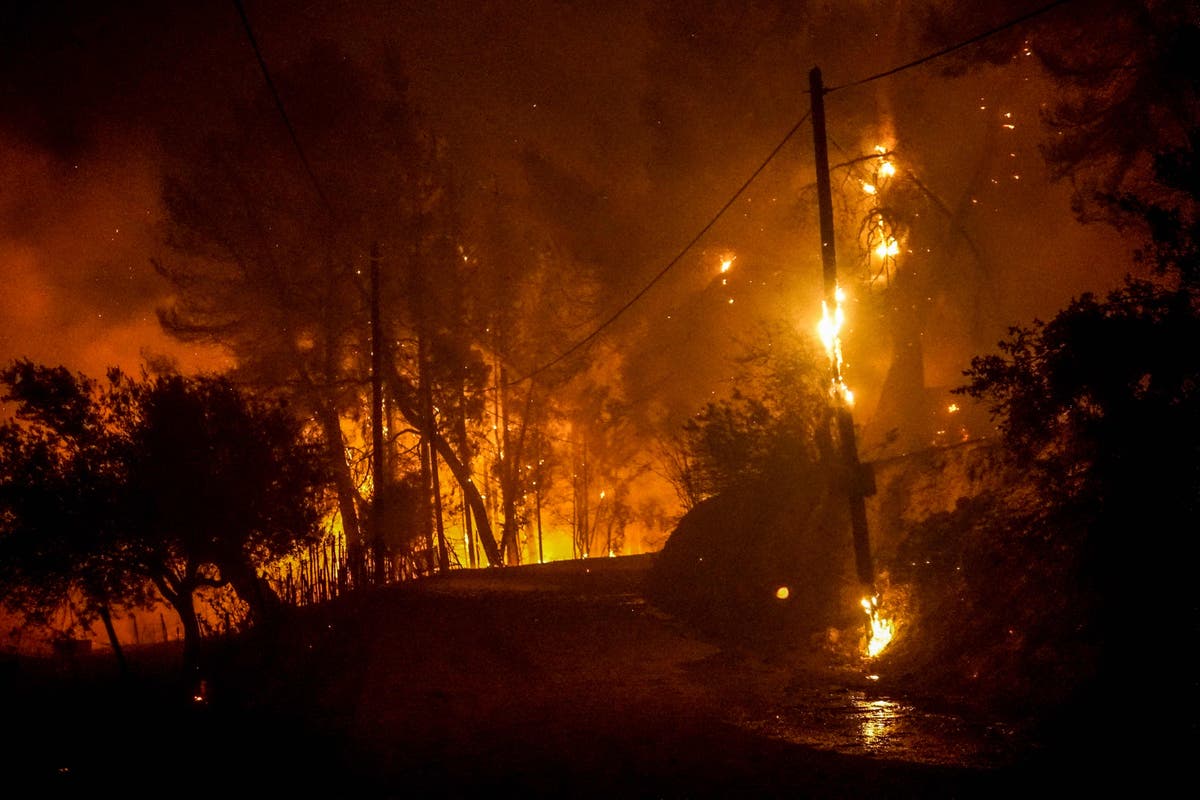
point(616, 130)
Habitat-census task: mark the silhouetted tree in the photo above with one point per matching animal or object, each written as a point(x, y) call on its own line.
point(769, 424)
point(1102, 406)
point(179, 483)
point(60, 497)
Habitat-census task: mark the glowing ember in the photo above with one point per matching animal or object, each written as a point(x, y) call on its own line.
point(782, 593)
point(952, 408)
point(726, 264)
point(882, 629)
point(869, 188)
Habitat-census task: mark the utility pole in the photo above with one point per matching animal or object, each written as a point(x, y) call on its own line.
point(377, 440)
point(855, 476)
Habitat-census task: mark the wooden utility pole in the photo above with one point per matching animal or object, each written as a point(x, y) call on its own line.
point(854, 473)
point(378, 465)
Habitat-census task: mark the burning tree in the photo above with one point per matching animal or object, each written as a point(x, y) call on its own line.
point(276, 269)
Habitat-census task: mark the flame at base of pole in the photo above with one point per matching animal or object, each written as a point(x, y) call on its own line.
point(882, 628)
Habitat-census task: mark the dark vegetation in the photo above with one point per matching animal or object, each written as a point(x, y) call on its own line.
point(117, 492)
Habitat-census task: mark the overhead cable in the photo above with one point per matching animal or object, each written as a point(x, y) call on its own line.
point(670, 264)
point(287, 123)
point(947, 50)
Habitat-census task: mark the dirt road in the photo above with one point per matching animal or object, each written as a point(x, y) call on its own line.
point(548, 680)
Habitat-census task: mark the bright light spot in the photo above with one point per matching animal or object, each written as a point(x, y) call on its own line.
point(782, 593)
point(887, 169)
point(829, 329)
point(889, 248)
point(830, 326)
point(726, 264)
point(879, 719)
point(952, 408)
point(869, 188)
point(872, 677)
point(602, 495)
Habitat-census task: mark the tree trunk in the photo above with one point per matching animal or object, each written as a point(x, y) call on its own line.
point(118, 653)
point(185, 606)
point(178, 593)
point(347, 493)
point(472, 558)
point(264, 603)
point(402, 394)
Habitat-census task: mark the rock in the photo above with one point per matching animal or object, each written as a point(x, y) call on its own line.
point(723, 568)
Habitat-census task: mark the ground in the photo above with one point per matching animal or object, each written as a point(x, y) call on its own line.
point(543, 680)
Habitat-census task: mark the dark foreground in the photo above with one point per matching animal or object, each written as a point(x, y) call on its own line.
point(554, 680)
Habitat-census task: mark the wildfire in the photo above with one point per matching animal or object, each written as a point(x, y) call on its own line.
point(829, 329)
point(888, 248)
point(881, 239)
point(887, 168)
point(882, 629)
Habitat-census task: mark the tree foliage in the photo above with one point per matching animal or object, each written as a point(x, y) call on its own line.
point(1101, 405)
point(774, 419)
point(109, 488)
point(1103, 398)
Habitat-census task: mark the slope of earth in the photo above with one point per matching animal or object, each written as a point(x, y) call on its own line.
point(545, 680)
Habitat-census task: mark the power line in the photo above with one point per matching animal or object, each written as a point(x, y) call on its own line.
point(670, 264)
point(287, 123)
point(947, 50)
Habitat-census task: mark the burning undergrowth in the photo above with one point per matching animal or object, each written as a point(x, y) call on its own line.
point(996, 614)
